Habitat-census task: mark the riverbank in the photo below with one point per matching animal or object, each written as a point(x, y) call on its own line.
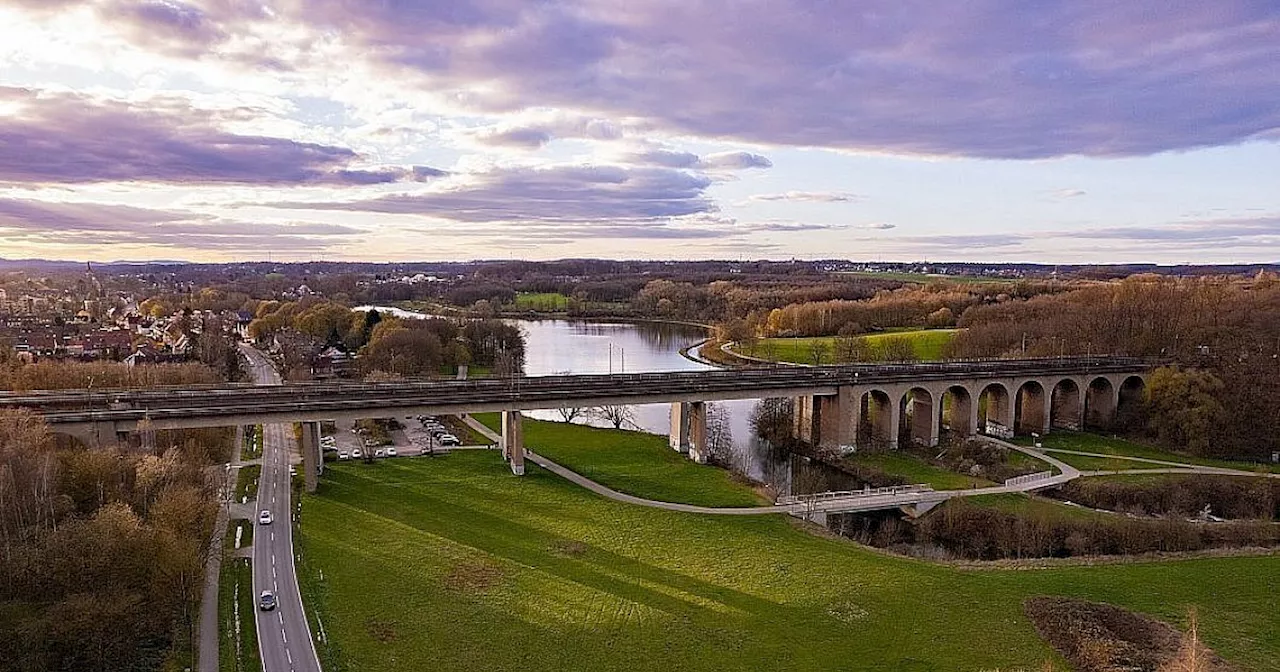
point(501, 562)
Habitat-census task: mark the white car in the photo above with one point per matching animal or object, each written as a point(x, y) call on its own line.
point(355, 454)
point(344, 455)
point(379, 453)
point(391, 451)
point(264, 518)
point(449, 440)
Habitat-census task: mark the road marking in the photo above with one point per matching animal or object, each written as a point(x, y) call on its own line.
point(285, 635)
point(290, 657)
point(281, 615)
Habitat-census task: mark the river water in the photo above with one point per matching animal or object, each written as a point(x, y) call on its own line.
point(597, 347)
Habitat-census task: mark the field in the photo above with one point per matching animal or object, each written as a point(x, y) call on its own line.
point(929, 345)
point(542, 302)
point(636, 463)
point(1108, 445)
point(247, 482)
point(916, 470)
point(455, 564)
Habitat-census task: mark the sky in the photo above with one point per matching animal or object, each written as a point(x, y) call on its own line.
point(1053, 131)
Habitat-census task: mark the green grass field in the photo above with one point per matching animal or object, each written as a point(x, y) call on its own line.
point(916, 470)
point(246, 534)
point(636, 463)
point(455, 564)
point(237, 642)
point(247, 482)
point(1107, 445)
point(929, 345)
point(542, 302)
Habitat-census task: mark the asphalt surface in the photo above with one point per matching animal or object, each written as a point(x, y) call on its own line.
point(284, 638)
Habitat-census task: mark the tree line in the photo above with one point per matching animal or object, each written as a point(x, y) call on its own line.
point(102, 550)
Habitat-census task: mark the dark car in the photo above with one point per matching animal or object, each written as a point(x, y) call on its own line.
point(267, 600)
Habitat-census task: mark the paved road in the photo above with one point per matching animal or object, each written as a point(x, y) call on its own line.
point(284, 637)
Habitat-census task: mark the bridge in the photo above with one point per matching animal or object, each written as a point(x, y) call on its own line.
point(837, 407)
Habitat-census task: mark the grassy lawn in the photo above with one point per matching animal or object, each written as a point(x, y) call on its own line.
point(252, 448)
point(1097, 443)
point(917, 470)
point(1086, 463)
point(247, 482)
point(1020, 503)
point(542, 302)
point(636, 463)
point(246, 534)
point(458, 565)
point(237, 641)
point(928, 343)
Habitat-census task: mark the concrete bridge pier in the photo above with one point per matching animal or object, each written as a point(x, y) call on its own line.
point(312, 459)
point(513, 441)
point(837, 420)
point(689, 429)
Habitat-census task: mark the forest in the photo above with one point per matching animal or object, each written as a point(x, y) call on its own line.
point(102, 551)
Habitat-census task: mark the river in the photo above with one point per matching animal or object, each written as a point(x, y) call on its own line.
point(597, 347)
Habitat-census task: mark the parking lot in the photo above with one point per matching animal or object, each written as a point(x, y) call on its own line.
point(413, 439)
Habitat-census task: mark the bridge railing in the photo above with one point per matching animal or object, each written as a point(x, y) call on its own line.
point(1028, 478)
point(816, 497)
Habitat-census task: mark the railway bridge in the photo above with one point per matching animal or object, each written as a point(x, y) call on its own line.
point(838, 407)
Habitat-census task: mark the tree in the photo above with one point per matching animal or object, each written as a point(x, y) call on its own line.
point(898, 349)
point(719, 437)
point(773, 421)
point(618, 416)
point(1184, 408)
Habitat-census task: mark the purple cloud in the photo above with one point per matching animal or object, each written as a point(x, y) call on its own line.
point(720, 161)
point(105, 224)
point(990, 78)
point(552, 194)
point(811, 197)
point(63, 138)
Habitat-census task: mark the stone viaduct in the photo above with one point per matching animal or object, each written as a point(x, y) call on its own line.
point(837, 407)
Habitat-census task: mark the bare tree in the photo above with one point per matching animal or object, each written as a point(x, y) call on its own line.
point(719, 437)
point(618, 416)
point(772, 420)
point(570, 413)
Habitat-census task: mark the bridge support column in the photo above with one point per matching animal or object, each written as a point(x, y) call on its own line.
point(679, 437)
point(697, 411)
point(804, 419)
point(689, 430)
point(513, 441)
point(924, 422)
point(837, 420)
point(312, 459)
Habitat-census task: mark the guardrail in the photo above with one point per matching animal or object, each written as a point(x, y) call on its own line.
point(816, 497)
point(1028, 478)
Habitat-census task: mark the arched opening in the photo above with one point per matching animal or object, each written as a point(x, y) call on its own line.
point(1129, 403)
point(1099, 404)
point(957, 412)
point(995, 412)
point(1029, 409)
point(876, 426)
point(1065, 405)
point(919, 417)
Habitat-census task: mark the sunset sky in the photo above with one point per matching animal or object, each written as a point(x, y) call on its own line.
point(212, 130)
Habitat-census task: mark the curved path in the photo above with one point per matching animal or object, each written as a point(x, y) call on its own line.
point(853, 504)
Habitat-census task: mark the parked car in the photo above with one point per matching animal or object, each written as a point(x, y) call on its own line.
point(449, 440)
point(356, 454)
point(267, 600)
point(264, 518)
point(391, 451)
point(379, 453)
point(344, 455)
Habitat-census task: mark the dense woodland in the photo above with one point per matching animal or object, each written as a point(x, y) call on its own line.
point(102, 551)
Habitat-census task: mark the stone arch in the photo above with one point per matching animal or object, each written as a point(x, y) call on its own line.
point(919, 412)
point(959, 411)
point(877, 420)
point(1066, 405)
point(1130, 396)
point(995, 410)
point(1030, 410)
point(1099, 403)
